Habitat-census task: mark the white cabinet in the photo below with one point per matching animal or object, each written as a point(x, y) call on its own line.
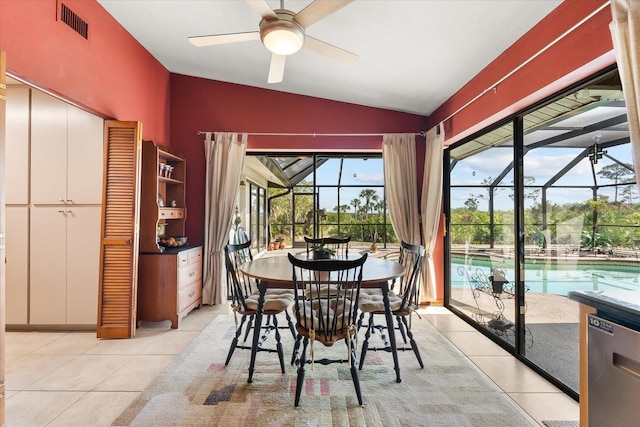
point(66, 153)
point(64, 264)
point(17, 146)
point(17, 272)
point(54, 157)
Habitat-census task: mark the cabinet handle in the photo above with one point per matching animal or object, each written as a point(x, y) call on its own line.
point(62, 201)
point(192, 293)
point(193, 273)
point(69, 201)
point(62, 211)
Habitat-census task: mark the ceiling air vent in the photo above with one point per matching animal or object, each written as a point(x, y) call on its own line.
point(76, 23)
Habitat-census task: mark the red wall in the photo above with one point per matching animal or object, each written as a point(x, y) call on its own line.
point(584, 51)
point(109, 74)
point(206, 105)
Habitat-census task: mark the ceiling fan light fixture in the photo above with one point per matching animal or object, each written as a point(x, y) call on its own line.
point(283, 36)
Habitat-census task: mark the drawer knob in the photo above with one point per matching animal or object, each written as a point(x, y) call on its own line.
point(192, 293)
point(193, 273)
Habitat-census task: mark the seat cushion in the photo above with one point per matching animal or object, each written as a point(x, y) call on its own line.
point(373, 303)
point(277, 302)
point(324, 291)
point(310, 316)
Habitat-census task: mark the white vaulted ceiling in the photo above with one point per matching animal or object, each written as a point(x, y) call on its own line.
point(413, 55)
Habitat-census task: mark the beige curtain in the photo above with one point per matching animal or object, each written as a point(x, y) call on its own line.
point(400, 180)
point(430, 209)
point(625, 31)
point(224, 162)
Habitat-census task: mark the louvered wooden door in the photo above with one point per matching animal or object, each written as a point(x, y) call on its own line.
point(120, 218)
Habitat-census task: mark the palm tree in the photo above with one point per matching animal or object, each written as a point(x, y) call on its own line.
point(356, 204)
point(367, 195)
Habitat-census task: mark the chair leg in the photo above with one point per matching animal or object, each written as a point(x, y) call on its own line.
point(296, 347)
point(234, 342)
point(360, 319)
point(301, 368)
point(290, 322)
point(354, 370)
point(365, 344)
point(278, 343)
point(402, 328)
point(414, 345)
point(249, 327)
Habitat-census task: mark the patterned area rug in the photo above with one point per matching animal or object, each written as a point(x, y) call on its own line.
point(198, 390)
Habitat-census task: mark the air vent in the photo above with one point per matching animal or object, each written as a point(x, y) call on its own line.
point(76, 23)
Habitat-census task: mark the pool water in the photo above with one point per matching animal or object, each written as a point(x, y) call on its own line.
point(558, 278)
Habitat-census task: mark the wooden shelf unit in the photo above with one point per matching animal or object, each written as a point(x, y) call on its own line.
point(161, 219)
point(169, 279)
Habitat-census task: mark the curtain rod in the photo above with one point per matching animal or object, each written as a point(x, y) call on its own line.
point(423, 133)
point(494, 86)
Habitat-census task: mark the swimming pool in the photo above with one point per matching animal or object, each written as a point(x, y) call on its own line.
point(556, 276)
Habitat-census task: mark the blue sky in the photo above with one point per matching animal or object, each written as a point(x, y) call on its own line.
point(542, 164)
point(355, 172)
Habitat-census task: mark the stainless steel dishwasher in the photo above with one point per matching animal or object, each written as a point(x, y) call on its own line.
point(614, 374)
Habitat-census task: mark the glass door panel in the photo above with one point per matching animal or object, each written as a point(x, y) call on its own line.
point(577, 223)
point(481, 232)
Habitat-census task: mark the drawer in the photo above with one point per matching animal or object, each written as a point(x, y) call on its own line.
point(183, 259)
point(188, 295)
point(189, 273)
point(171, 213)
point(194, 256)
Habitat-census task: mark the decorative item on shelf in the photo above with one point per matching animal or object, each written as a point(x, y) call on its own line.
point(160, 200)
point(173, 203)
point(168, 171)
point(161, 167)
point(322, 252)
point(173, 242)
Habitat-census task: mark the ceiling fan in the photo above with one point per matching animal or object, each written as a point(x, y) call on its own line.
point(283, 33)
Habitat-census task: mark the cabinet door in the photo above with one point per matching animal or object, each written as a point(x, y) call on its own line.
point(84, 157)
point(83, 264)
point(48, 294)
point(17, 280)
point(48, 149)
point(17, 146)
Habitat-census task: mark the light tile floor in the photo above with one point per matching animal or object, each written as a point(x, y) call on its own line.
point(74, 379)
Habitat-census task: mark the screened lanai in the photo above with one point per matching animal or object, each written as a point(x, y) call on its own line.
point(326, 195)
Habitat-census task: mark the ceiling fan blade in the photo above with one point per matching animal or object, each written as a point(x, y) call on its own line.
point(276, 69)
point(262, 8)
point(330, 51)
point(318, 10)
point(224, 38)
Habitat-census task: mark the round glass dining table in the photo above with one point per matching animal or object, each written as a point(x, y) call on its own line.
point(276, 272)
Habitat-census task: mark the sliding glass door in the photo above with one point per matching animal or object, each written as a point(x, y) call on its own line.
point(481, 232)
point(540, 205)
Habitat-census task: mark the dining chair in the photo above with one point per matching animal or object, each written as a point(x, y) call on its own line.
point(404, 299)
point(338, 245)
point(244, 302)
point(326, 317)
